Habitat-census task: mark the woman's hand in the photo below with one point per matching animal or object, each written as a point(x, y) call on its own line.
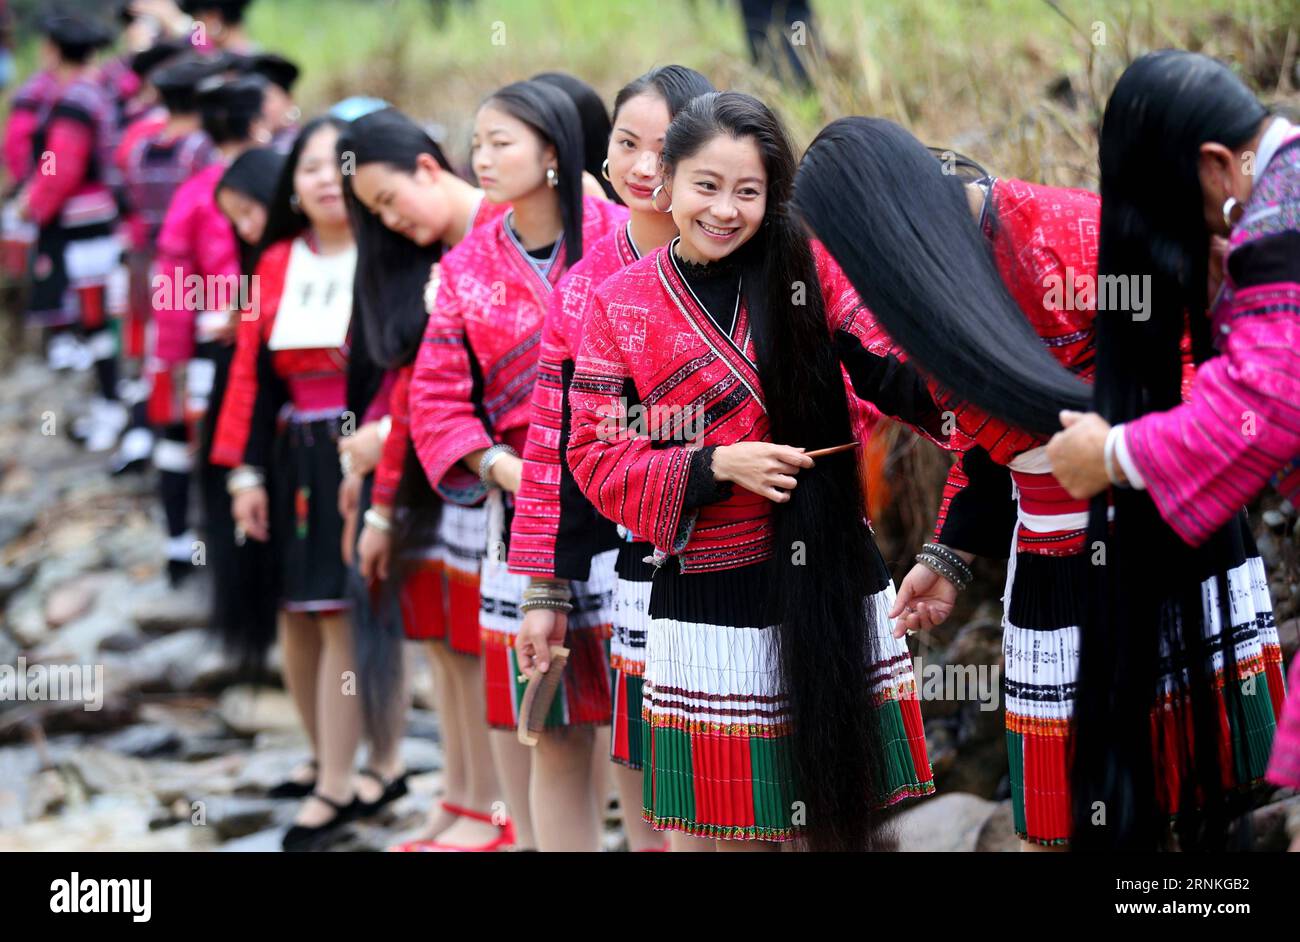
point(540, 629)
point(249, 507)
point(1078, 454)
point(375, 551)
point(924, 601)
point(227, 332)
point(764, 468)
point(507, 471)
point(365, 447)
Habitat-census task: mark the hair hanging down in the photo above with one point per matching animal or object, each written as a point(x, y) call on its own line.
point(282, 221)
point(675, 84)
point(1149, 594)
point(595, 123)
point(554, 118)
point(901, 228)
point(825, 632)
point(391, 269)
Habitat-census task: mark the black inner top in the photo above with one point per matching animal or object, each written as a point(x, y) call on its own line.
point(716, 286)
point(542, 252)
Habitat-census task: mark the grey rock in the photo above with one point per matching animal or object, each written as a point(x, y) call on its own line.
point(157, 608)
point(250, 710)
point(185, 661)
point(78, 642)
point(951, 822)
point(235, 816)
point(1271, 828)
point(999, 831)
point(14, 577)
point(262, 842)
point(143, 741)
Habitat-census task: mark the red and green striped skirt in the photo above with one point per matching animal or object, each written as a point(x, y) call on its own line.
point(627, 652)
point(583, 697)
point(1041, 652)
point(716, 735)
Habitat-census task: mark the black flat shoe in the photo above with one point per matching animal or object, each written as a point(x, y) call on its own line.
point(301, 838)
point(293, 789)
point(392, 791)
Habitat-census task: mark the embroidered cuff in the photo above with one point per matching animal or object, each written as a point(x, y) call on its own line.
point(701, 486)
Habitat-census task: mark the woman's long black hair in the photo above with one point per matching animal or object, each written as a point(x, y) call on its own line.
point(245, 577)
point(596, 125)
point(254, 173)
point(825, 631)
point(388, 327)
point(675, 84)
point(391, 269)
point(1149, 592)
point(553, 117)
point(902, 230)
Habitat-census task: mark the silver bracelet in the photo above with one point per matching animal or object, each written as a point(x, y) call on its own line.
point(489, 458)
point(941, 567)
point(243, 478)
point(555, 605)
point(950, 557)
point(373, 518)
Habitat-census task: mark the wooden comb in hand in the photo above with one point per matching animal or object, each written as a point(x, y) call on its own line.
point(539, 695)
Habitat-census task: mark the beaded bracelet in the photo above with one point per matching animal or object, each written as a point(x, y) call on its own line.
point(243, 478)
point(951, 558)
point(557, 605)
point(941, 564)
point(489, 458)
point(373, 518)
point(548, 590)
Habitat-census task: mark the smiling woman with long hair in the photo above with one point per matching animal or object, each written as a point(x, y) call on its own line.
point(778, 705)
point(473, 380)
point(557, 535)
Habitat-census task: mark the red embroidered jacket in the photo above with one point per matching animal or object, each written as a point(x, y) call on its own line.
point(388, 473)
point(473, 378)
point(647, 337)
point(1045, 244)
point(27, 112)
point(556, 530)
point(73, 188)
point(314, 381)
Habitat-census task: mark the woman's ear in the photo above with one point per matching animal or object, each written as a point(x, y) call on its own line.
point(429, 166)
point(1215, 165)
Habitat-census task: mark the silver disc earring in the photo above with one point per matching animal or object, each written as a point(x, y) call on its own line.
point(552, 178)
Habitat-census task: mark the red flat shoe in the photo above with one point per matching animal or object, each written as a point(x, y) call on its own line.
point(435, 846)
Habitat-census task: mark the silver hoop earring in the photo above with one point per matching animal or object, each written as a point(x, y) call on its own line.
point(1229, 205)
point(295, 203)
point(654, 199)
point(552, 178)
point(604, 171)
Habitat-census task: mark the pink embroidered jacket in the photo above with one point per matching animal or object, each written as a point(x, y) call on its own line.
point(474, 374)
point(647, 338)
point(394, 397)
point(556, 530)
point(1206, 458)
point(196, 239)
point(27, 112)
